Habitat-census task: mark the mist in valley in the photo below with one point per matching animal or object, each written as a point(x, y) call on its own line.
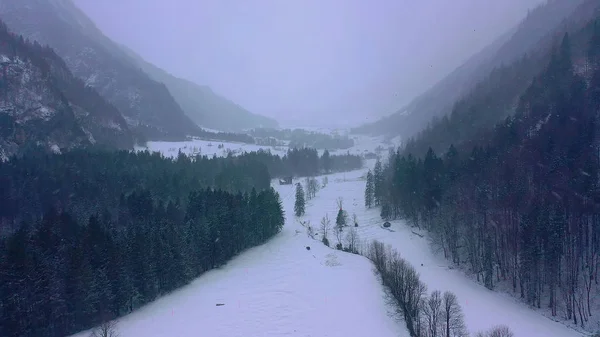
point(334, 63)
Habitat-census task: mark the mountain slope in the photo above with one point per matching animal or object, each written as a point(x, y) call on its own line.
point(146, 104)
point(439, 100)
point(497, 96)
point(42, 103)
point(201, 104)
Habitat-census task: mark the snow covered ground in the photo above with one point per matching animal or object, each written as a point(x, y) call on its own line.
point(363, 144)
point(277, 289)
point(206, 147)
point(283, 289)
point(482, 308)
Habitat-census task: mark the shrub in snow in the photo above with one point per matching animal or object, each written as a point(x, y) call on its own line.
point(325, 241)
point(497, 331)
point(387, 224)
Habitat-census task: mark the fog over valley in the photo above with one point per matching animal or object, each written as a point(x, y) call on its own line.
point(334, 63)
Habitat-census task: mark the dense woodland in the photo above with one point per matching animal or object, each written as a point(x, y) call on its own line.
point(520, 206)
point(102, 233)
point(299, 138)
point(304, 162)
point(226, 136)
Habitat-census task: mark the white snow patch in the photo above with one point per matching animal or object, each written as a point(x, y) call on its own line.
point(91, 80)
point(206, 147)
point(54, 148)
point(89, 135)
point(45, 112)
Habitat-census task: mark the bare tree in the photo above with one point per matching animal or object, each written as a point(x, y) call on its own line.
point(310, 232)
point(312, 186)
point(452, 317)
point(340, 202)
point(431, 312)
point(106, 329)
point(338, 235)
point(352, 240)
point(325, 225)
point(355, 219)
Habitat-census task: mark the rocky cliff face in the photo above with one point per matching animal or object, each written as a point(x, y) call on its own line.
point(42, 103)
point(147, 105)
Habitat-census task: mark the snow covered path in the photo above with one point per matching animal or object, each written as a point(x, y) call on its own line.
point(482, 307)
point(277, 289)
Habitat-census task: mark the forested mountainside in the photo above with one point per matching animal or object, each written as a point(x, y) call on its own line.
point(497, 96)
point(519, 208)
point(42, 103)
point(439, 100)
point(201, 104)
point(147, 105)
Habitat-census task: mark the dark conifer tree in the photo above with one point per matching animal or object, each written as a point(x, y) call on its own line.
point(300, 204)
point(369, 190)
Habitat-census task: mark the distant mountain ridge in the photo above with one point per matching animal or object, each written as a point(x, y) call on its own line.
point(43, 104)
point(439, 100)
point(201, 103)
point(146, 104)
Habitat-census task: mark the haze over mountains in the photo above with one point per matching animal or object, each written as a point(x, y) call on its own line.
point(149, 106)
point(309, 62)
point(533, 35)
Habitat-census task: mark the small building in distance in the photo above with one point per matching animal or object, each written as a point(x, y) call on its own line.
point(285, 181)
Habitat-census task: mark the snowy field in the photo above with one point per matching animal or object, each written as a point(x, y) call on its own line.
point(363, 144)
point(277, 289)
point(283, 289)
point(206, 147)
point(482, 307)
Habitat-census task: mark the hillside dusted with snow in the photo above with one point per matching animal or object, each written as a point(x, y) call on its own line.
point(146, 104)
point(41, 103)
point(205, 107)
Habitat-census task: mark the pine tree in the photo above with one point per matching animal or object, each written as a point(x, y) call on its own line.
point(326, 161)
point(377, 183)
point(341, 219)
point(299, 206)
point(369, 189)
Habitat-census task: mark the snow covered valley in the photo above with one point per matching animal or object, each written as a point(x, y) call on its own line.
point(283, 289)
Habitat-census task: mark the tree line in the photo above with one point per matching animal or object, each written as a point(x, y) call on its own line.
point(435, 315)
point(226, 136)
point(86, 182)
point(305, 162)
point(302, 138)
point(88, 236)
point(520, 205)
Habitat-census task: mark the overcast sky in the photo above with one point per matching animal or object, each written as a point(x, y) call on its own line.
point(333, 61)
